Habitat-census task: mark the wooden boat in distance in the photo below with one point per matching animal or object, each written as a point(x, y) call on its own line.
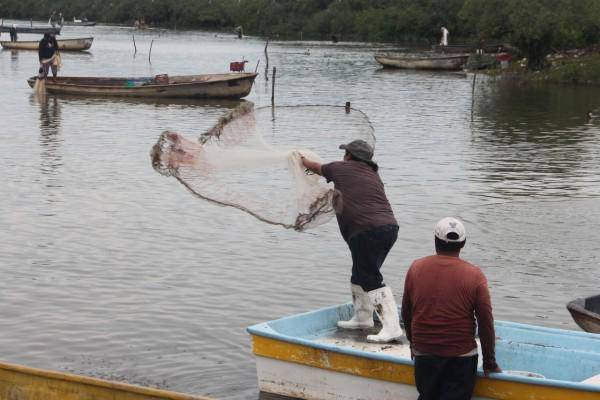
point(467, 48)
point(20, 382)
point(305, 356)
point(78, 44)
point(79, 22)
point(32, 29)
point(429, 62)
point(210, 86)
point(586, 313)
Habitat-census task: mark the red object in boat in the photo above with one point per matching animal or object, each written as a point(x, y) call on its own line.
point(161, 79)
point(503, 57)
point(237, 66)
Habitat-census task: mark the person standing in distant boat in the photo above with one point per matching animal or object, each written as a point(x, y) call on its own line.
point(52, 19)
point(445, 34)
point(446, 301)
point(48, 53)
point(13, 33)
point(368, 226)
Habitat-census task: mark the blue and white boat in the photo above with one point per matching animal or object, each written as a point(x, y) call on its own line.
point(306, 356)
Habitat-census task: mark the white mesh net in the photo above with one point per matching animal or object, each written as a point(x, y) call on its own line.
point(249, 160)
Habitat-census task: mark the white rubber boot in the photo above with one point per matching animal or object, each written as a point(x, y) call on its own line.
point(363, 310)
point(387, 311)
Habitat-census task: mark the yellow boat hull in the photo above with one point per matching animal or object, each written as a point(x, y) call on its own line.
point(18, 382)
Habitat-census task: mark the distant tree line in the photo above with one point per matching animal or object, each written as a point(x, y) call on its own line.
point(535, 27)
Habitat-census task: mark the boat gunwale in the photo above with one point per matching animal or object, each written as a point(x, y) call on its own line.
point(246, 75)
point(264, 329)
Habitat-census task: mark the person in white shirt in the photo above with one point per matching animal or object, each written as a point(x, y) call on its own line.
point(445, 33)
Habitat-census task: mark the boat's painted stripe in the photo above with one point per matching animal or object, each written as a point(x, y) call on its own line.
point(21, 382)
point(339, 362)
point(403, 373)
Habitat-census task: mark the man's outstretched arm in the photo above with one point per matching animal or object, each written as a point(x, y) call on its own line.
point(311, 165)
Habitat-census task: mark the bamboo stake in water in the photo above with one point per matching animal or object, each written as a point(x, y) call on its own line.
point(473, 96)
point(267, 57)
point(150, 52)
point(134, 46)
point(273, 87)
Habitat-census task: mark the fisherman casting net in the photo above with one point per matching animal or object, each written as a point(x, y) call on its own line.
point(250, 160)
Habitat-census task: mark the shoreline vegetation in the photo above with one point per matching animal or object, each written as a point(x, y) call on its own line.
point(576, 67)
point(535, 30)
point(583, 70)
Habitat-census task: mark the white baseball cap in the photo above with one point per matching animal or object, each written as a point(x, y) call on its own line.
point(449, 225)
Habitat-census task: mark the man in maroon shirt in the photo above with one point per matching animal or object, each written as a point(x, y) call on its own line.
point(368, 225)
point(443, 296)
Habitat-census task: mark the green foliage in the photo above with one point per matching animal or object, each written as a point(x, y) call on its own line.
point(584, 70)
point(535, 27)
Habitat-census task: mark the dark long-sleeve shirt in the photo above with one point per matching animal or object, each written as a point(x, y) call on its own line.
point(443, 296)
point(47, 48)
point(363, 204)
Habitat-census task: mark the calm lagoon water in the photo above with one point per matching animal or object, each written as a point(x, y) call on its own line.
point(114, 271)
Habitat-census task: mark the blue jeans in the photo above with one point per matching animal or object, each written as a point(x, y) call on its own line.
point(369, 250)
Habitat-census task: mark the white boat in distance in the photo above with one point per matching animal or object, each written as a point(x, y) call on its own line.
point(77, 44)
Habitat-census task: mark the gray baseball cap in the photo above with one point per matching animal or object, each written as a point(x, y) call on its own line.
point(360, 150)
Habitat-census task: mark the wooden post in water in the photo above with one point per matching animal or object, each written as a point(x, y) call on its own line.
point(348, 107)
point(473, 96)
point(267, 59)
point(134, 46)
point(273, 87)
point(150, 52)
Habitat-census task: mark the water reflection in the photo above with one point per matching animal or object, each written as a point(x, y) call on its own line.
point(534, 110)
point(426, 73)
point(532, 141)
point(50, 141)
point(158, 102)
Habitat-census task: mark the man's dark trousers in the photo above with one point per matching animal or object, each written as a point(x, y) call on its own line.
point(445, 378)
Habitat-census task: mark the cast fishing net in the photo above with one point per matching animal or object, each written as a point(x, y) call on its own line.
point(250, 160)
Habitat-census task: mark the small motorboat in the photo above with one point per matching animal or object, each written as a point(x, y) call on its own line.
point(78, 44)
point(306, 356)
point(79, 22)
point(586, 313)
point(423, 61)
point(32, 29)
point(208, 86)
